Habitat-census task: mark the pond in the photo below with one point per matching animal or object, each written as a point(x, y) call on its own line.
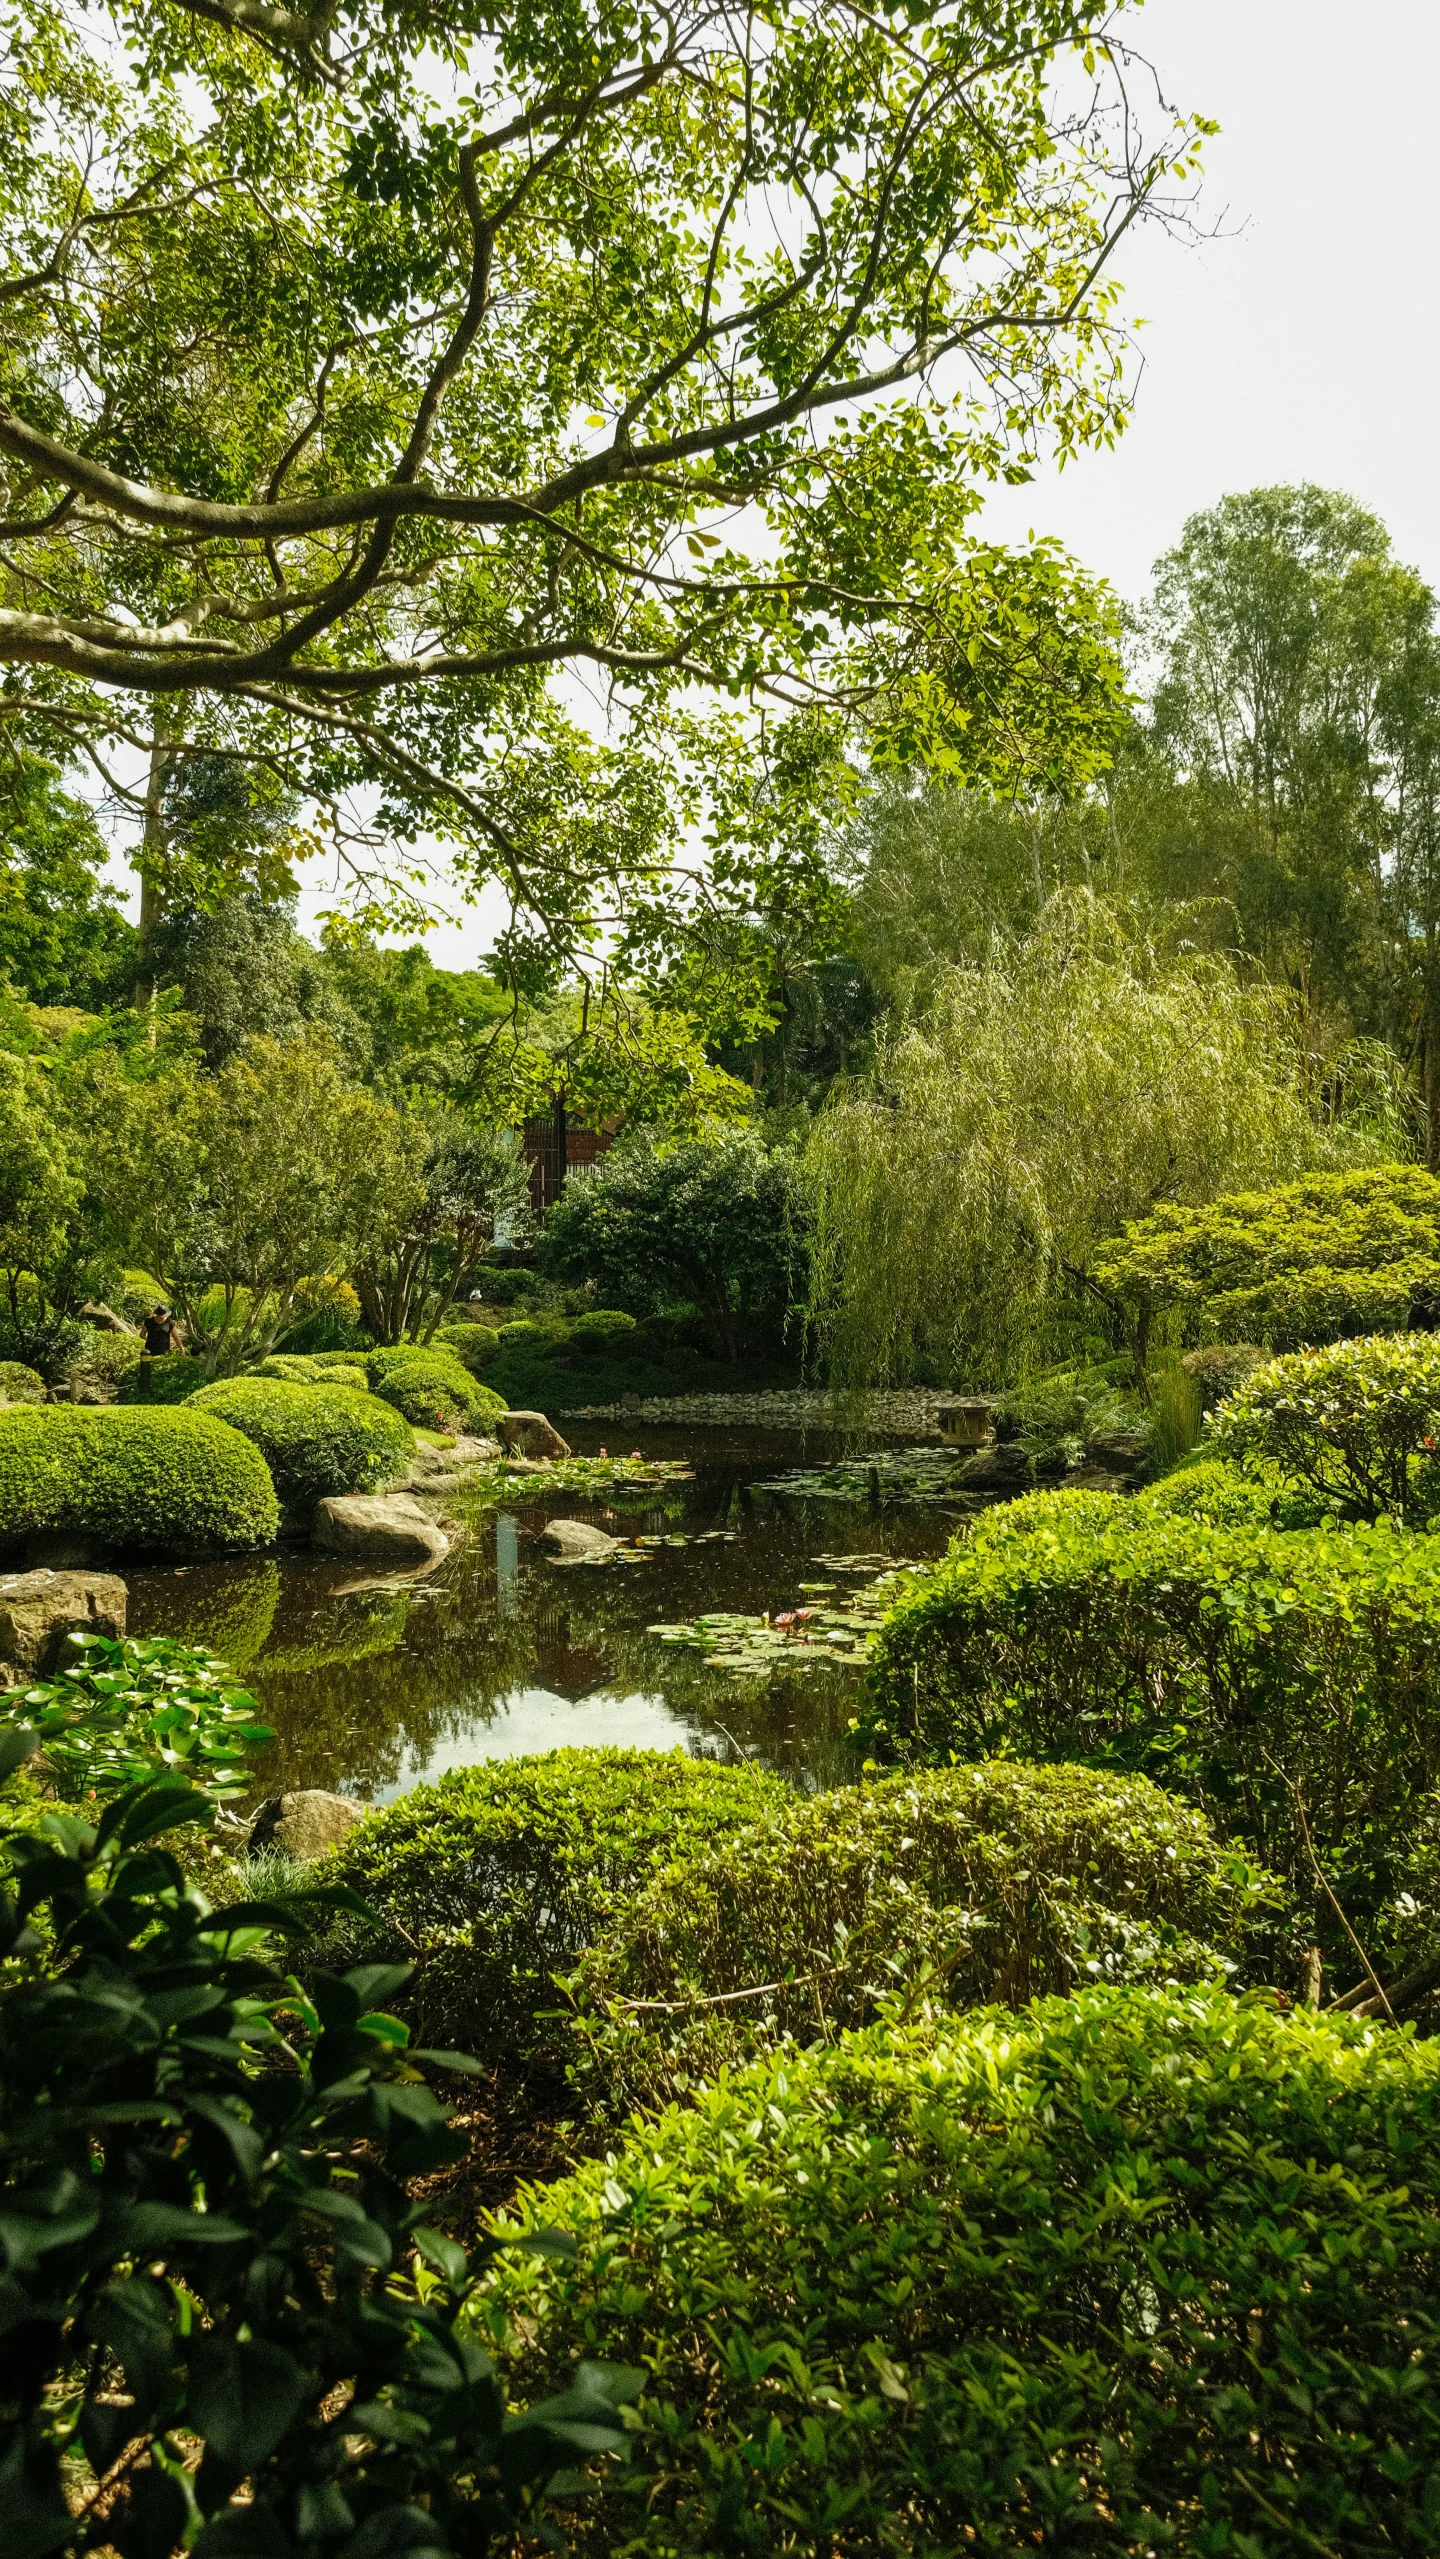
point(372, 1684)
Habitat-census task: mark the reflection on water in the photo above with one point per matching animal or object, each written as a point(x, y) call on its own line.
point(371, 1685)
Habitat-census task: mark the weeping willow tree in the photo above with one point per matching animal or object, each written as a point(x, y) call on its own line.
point(1084, 1073)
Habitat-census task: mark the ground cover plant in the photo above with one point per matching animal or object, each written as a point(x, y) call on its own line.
point(207, 2250)
point(140, 1482)
point(314, 1439)
point(496, 1878)
point(1140, 2269)
point(957, 1885)
point(1285, 1680)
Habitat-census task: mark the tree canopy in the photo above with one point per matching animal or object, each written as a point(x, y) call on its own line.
point(357, 375)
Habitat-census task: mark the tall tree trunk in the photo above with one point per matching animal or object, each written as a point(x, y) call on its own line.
point(163, 732)
point(1430, 1065)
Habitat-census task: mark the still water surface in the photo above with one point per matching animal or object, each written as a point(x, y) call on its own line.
point(372, 1685)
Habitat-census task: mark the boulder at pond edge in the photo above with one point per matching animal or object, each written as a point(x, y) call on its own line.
point(39, 1610)
point(377, 1528)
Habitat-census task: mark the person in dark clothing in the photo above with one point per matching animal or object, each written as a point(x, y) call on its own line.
point(162, 1333)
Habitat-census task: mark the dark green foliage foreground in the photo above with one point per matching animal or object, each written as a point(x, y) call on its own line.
point(1136, 2272)
point(145, 1483)
point(1233, 1664)
point(208, 2232)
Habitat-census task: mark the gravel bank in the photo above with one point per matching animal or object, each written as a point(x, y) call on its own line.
point(911, 1408)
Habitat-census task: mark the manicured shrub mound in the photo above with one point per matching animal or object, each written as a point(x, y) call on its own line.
point(167, 1380)
point(145, 1483)
point(314, 1439)
point(1221, 1661)
point(1212, 1489)
point(431, 1389)
point(344, 1369)
point(995, 1882)
point(497, 1878)
point(1135, 2272)
point(19, 1384)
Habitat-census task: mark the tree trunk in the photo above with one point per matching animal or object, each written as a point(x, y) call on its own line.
point(152, 858)
point(557, 1154)
point(1430, 1067)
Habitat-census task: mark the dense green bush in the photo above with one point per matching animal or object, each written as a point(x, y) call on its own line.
point(207, 2252)
point(474, 1345)
point(996, 1882)
point(497, 1878)
point(1229, 1663)
point(167, 1380)
point(604, 1325)
point(343, 1370)
point(1312, 1261)
point(144, 1483)
point(99, 1365)
point(431, 1388)
point(1134, 2272)
point(1213, 1490)
point(314, 1439)
point(1358, 1424)
point(720, 1222)
point(19, 1384)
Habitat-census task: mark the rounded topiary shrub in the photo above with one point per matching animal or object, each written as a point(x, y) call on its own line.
point(19, 1384)
point(144, 1483)
point(604, 1328)
point(431, 1388)
point(171, 1379)
point(496, 1879)
point(314, 1439)
point(1358, 1424)
point(1212, 1490)
point(474, 1345)
point(995, 1882)
point(1138, 2271)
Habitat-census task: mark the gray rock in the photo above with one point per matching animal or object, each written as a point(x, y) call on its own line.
point(1121, 1452)
point(1003, 1469)
point(306, 1824)
point(572, 1541)
point(38, 1610)
point(530, 1435)
point(377, 1528)
point(470, 1451)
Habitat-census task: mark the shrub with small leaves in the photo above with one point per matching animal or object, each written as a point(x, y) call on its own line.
point(495, 1879)
point(431, 1388)
point(1135, 2272)
point(314, 1439)
point(960, 1884)
point(210, 2242)
point(170, 1379)
point(19, 1384)
point(1358, 1423)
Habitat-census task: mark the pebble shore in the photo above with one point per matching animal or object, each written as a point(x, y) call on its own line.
point(911, 1408)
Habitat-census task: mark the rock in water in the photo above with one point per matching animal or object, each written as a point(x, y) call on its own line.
point(305, 1824)
point(377, 1528)
point(1005, 1469)
point(38, 1610)
point(572, 1540)
point(530, 1435)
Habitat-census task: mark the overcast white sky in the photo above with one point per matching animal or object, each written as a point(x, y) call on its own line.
point(1301, 343)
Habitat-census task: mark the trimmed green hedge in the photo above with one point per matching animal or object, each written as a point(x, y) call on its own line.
point(344, 1369)
point(431, 1388)
point(1134, 2272)
point(19, 1384)
point(1358, 1424)
point(1211, 1489)
point(996, 1882)
point(314, 1439)
point(496, 1878)
point(171, 1379)
point(1222, 1661)
point(145, 1483)
point(474, 1345)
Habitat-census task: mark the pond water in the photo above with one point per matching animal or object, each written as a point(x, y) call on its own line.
point(374, 1684)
